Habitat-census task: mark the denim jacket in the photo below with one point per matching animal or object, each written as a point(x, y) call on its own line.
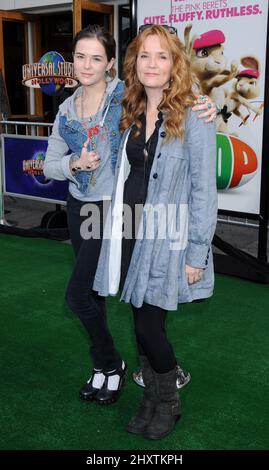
point(68, 136)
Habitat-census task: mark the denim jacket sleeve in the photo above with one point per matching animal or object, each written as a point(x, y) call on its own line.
point(201, 144)
point(56, 165)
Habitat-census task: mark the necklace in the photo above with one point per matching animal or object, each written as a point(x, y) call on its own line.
point(94, 130)
point(146, 153)
point(146, 149)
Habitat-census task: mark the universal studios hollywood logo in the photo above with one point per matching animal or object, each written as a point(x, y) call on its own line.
point(52, 74)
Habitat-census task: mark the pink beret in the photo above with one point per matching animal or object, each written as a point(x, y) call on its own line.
point(251, 73)
point(211, 38)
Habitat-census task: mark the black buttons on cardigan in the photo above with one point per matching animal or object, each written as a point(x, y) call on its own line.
point(114, 133)
point(155, 175)
point(159, 155)
point(163, 134)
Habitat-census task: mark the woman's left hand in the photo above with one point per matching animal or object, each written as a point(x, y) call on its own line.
point(203, 102)
point(193, 274)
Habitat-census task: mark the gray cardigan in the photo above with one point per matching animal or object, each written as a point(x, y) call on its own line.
point(182, 195)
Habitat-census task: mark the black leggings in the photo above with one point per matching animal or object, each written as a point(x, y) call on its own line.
point(83, 301)
point(151, 337)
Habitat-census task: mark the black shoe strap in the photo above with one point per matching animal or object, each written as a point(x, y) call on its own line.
point(120, 371)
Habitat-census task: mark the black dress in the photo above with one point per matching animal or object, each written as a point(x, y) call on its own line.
point(140, 156)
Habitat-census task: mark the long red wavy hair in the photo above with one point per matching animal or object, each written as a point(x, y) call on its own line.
point(176, 99)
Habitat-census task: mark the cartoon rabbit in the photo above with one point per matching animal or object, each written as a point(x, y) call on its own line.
point(208, 62)
point(245, 88)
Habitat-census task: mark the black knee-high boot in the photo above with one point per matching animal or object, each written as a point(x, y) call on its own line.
point(168, 410)
point(145, 412)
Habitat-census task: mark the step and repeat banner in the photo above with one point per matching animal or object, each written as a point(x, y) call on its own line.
point(226, 44)
point(22, 159)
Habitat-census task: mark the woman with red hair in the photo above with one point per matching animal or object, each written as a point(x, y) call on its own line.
point(165, 198)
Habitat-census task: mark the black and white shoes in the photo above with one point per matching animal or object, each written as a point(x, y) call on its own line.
point(93, 385)
point(105, 386)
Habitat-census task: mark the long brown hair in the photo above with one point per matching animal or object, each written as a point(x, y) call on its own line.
point(176, 99)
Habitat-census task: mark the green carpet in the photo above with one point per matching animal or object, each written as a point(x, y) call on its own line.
point(44, 359)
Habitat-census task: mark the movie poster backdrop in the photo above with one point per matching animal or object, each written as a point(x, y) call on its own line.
point(226, 43)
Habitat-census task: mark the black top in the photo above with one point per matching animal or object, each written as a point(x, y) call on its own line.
point(140, 156)
point(135, 189)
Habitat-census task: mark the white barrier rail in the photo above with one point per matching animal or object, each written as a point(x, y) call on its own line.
point(32, 126)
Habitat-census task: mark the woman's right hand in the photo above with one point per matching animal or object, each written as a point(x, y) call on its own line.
point(88, 161)
point(193, 274)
